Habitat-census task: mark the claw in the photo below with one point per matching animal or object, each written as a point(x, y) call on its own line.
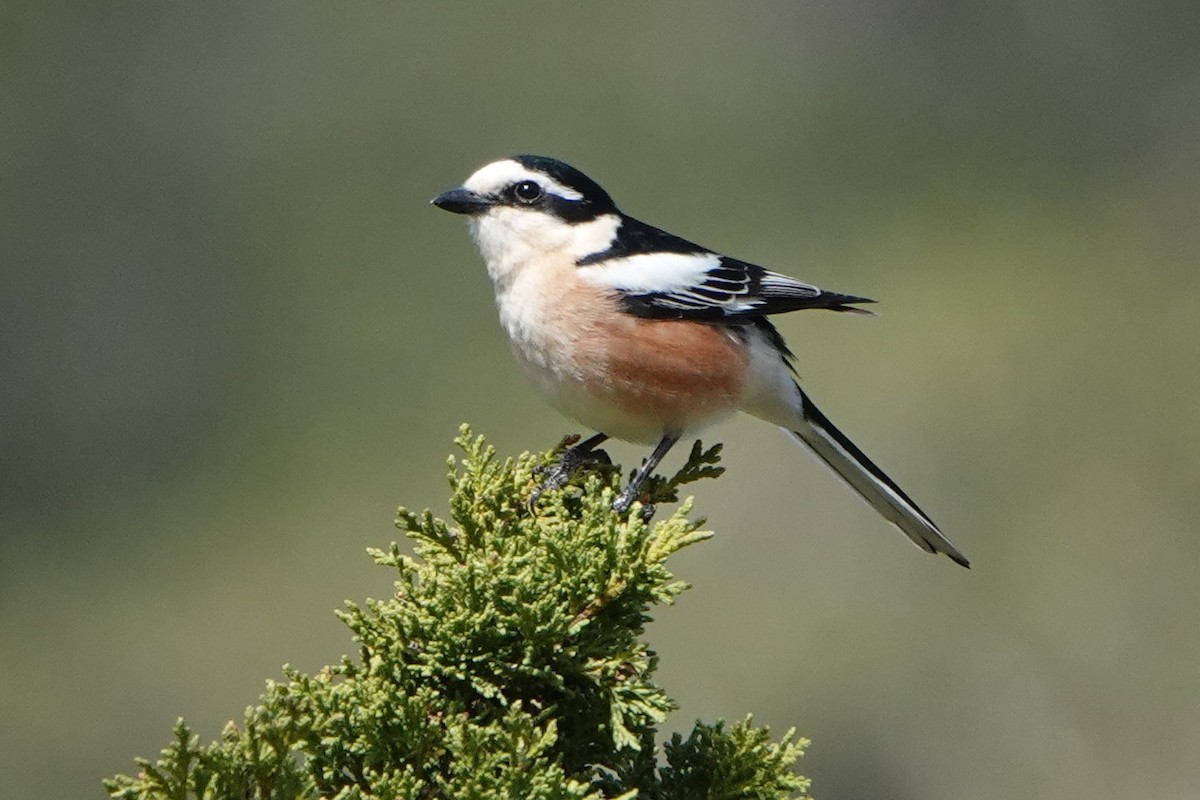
point(630, 492)
point(559, 474)
point(625, 500)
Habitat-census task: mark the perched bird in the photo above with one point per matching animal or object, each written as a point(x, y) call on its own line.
point(644, 336)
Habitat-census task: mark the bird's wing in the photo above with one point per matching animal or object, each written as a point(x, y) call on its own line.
point(709, 287)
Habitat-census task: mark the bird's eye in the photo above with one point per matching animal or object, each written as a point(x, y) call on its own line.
point(527, 192)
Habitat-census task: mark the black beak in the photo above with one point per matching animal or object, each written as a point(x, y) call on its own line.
point(462, 201)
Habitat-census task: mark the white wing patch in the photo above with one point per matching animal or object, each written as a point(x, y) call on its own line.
point(652, 273)
point(707, 286)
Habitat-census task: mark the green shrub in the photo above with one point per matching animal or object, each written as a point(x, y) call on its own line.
point(510, 663)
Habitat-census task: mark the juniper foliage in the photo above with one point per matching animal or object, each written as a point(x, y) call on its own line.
point(509, 663)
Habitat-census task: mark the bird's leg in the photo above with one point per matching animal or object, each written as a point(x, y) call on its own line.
point(630, 493)
point(561, 472)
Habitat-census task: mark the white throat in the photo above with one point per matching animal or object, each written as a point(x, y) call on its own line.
point(512, 239)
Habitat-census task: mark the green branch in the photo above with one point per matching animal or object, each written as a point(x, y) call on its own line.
point(509, 663)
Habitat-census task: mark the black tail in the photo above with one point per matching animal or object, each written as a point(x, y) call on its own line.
point(881, 492)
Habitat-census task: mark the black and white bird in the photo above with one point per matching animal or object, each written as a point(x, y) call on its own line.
point(646, 337)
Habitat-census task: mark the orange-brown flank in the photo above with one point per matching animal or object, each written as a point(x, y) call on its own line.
point(671, 370)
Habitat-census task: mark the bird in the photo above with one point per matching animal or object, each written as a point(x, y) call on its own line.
point(643, 336)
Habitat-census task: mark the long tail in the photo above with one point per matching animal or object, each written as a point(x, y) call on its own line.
point(852, 465)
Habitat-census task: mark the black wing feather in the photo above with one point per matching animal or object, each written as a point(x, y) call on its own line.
point(737, 292)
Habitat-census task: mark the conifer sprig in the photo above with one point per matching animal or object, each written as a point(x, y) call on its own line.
point(508, 663)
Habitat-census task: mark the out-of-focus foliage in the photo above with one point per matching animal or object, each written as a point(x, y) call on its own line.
point(234, 335)
point(510, 663)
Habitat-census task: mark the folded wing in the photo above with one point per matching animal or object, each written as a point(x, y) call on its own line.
point(689, 282)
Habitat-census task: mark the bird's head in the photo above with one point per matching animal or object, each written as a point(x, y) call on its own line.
point(528, 207)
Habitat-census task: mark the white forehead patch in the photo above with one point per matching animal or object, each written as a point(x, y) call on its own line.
point(490, 179)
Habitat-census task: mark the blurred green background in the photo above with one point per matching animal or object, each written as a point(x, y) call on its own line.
point(235, 337)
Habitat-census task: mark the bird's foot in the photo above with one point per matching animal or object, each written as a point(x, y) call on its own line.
point(625, 500)
point(638, 479)
point(558, 475)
